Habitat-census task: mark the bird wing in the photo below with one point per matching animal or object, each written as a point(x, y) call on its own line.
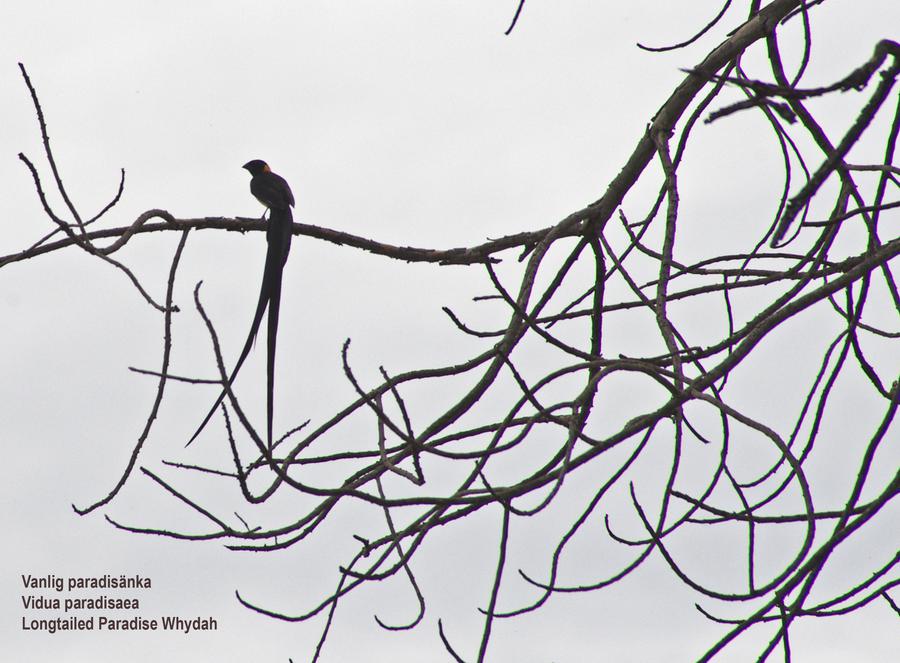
point(272, 190)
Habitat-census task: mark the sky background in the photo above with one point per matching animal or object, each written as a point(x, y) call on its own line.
point(412, 123)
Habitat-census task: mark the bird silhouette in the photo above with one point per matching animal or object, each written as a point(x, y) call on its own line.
point(272, 191)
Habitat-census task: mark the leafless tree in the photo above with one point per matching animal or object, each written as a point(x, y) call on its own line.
point(541, 402)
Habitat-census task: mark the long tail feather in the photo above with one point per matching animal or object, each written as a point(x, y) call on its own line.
point(278, 236)
point(282, 227)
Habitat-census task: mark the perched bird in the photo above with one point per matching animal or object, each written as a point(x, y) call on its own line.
point(273, 192)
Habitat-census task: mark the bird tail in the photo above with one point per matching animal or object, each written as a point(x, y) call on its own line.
point(278, 235)
point(281, 223)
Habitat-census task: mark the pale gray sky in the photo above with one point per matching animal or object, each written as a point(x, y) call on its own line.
point(414, 123)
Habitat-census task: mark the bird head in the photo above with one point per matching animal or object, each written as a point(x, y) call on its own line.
point(256, 167)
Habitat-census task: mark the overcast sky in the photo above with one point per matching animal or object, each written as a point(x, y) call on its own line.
point(413, 123)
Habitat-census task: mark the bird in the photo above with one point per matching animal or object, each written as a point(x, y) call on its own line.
point(275, 194)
